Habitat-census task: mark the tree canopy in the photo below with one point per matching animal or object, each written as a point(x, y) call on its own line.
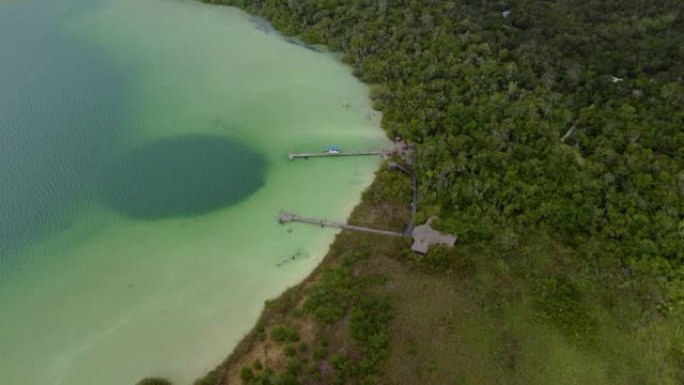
point(563, 117)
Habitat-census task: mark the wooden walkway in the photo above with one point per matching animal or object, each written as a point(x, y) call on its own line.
point(295, 155)
point(423, 236)
point(286, 217)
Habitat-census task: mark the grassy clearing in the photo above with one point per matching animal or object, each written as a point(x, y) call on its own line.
point(523, 318)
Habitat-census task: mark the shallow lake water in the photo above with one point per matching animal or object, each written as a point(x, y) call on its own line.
point(143, 163)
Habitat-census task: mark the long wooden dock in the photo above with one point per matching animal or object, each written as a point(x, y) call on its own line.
point(295, 155)
point(286, 217)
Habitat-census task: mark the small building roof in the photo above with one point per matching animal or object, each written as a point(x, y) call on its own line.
point(425, 235)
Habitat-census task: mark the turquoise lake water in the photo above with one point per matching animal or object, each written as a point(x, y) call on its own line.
point(143, 162)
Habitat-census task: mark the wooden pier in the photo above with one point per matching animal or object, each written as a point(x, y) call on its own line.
point(286, 217)
point(295, 155)
point(423, 236)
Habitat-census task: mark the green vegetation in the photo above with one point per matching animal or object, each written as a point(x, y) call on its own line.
point(282, 333)
point(550, 140)
point(154, 381)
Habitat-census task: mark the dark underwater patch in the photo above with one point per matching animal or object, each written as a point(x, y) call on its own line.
point(182, 176)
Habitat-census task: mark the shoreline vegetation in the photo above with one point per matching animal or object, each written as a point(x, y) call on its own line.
point(307, 323)
point(549, 139)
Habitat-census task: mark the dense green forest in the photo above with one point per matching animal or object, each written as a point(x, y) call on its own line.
point(542, 128)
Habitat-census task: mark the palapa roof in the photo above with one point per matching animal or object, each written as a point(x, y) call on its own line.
point(425, 235)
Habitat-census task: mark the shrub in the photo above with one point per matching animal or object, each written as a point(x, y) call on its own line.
point(321, 352)
point(246, 375)
point(258, 365)
point(447, 259)
point(560, 302)
point(330, 298)
point(282, 333)
point(290, 350)
point(154, 381)
point(294, 367)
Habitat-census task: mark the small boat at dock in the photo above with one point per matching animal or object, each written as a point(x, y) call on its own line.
point(332, 150)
